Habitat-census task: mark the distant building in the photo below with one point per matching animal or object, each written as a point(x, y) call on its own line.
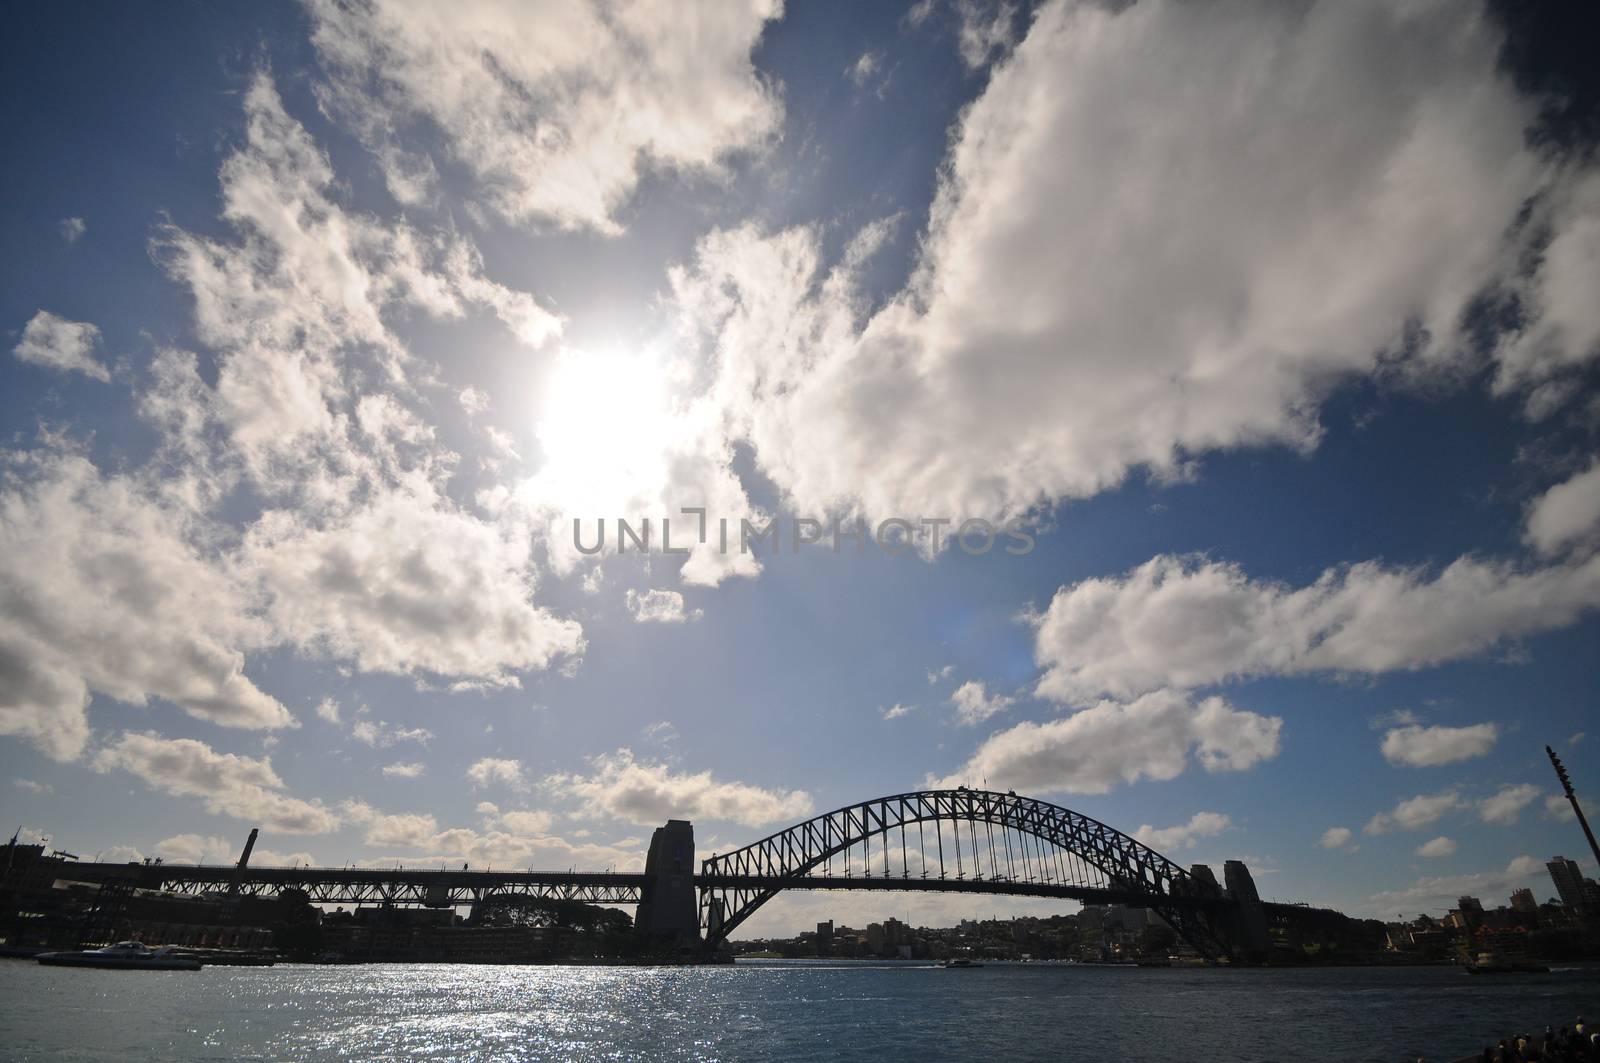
point(825, 938)
point(1522, 901)
point(1569, 881)
point(1469, 904)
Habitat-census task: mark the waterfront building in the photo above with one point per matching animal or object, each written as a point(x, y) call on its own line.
point(1576, 892)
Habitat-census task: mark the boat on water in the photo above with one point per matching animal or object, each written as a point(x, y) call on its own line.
point(958, 963)
point(232, 957)
point(123, 956)
point(1504, 954)
point(1507, 967)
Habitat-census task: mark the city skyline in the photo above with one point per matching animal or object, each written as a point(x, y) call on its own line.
point(1287, 379)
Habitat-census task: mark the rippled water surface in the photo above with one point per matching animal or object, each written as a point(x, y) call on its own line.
point(771, 1012)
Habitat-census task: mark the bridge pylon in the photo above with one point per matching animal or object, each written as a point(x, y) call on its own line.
point(668, 917)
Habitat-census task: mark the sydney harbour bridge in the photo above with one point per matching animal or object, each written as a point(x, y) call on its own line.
point(947, 841)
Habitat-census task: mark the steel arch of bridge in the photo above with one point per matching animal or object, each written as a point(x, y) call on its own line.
point(1108, 863)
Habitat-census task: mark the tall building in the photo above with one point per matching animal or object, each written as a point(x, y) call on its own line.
point(1568, 880)
point(1469, 904)
point(1523, 901)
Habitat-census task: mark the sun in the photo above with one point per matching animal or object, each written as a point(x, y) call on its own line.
point(607, 426)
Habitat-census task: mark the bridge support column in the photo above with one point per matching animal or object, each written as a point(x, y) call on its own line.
point(1246, 926)
point(669, 914)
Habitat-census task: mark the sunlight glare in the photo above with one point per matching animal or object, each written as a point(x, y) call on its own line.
point(607, 429)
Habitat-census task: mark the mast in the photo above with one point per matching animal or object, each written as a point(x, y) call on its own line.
point(1566, 786)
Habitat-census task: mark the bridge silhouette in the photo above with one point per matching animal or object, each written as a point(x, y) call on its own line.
point(958, 840)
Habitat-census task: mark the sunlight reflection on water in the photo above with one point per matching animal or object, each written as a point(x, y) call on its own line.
point(768, 1012)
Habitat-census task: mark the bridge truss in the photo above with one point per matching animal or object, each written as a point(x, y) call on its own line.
point(959, 840)
point(433, 888)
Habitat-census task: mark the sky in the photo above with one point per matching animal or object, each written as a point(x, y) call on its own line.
point(1251, 348)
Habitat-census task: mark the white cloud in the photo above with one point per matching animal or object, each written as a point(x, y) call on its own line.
point(211, 849)
point(1421, 747)
point(380, 734)
point(1092, 750)
point(974, 704)
point(32, 787)
point(986, 29)
point(867, 72)
point(194, 849)
point(514, 837)
point(405, 829)
point(1414, 813)
point(405, 770)
point(659, 607)
point(1336, 838)
point(360, 553)
point(897, 710)
point(72, 229)
point(474, 401)
point(1558, 808)
point(1560, 329)
point(501, 771)
point(1440, 846)
point(1211, 301)
point(623, 788)
point(295, 305)
point(56, 343)
point(107, 587)
point(861, 71)
point(532, 822)
point(503, 443)
point(1184, 835)
point(1438, 895)
point(557, 109)
point(1506, 805)
point(662, 733)
point(230, 785)
point(328, 709)
point(1397, 718)
point(936, 676)
point(121, 854)
point(1189, 622)
point(408, 585)
point(1567, 514)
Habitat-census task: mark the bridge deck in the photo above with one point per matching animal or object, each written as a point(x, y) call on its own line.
point(444, 887)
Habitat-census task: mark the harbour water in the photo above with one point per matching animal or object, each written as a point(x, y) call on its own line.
point(773, 1011)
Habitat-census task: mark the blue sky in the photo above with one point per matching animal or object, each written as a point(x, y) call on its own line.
point(1274, 327)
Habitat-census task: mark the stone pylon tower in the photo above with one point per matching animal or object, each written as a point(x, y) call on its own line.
point(668, 915)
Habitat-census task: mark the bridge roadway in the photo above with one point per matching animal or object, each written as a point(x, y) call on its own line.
point(446, 888)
